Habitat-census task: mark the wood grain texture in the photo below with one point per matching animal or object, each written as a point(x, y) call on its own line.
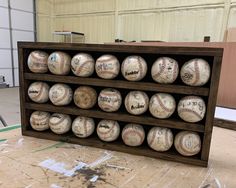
point(223, 123)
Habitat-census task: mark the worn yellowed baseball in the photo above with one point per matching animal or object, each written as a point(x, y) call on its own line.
point(38, 61)
point(160, 139)
point(187, 143)
point(39, 120)
point(59, 63)
point(133, 134)
point(38, 92)
point(82, 65)
point(60, 123)
point(85, 97)
point(195, 72)
point(162, 105)
point(108, 130)
point(60, 94)
point(191, 109)
point(165, 70)
point(83, 127)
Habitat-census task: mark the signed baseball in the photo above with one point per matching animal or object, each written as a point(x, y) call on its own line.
point(59, 63)
point(38, 92)
point(82, 65)
point(195, 72)
point(38, 61)
point(187, 143)
point(39, 120)
point(165, 70)
point(85, 97)
point(108, 130)
point(109, 100)
point(133, 134)
point(60, 123)
point(162, 105)
point(60, 94)
point(107, 66)
point(83, 127)
point(136, 102)
point(160, 139)
point(134, 68)
point(191, 109)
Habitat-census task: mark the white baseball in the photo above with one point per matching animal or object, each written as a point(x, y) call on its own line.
point(134, 68)
point(39, 120)
point(108, 130)
point(109, 100)
point(195, 72)
point(38, 61)
point(38, 92)
point(187, 143)
point(107, 66)
point(83, 127)
point(59, 63)
point(133, 134)
point(191, 109)
point(60, 94)
point(136, 102)
point(160, 139)
point(85, 97)
point(82, 65)
point(165, 70)
point(60, 123)
point(162, 105)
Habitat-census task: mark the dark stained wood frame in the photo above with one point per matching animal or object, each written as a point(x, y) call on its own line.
point(209, 92)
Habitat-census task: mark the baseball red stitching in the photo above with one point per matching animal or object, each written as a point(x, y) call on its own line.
point(196, 72)
point(161, 70)
point(130, 130)
point(189, 110)
point(163, 106)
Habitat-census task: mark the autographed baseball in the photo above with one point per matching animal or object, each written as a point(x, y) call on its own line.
point(165, 70)
point(39, 120)
point(85, 97)
point(191, 109)
point(108, 130)
point(59, 63)
point(38, 61)
point(107, 66)
point(60, 123)
point(136, 102)
point(195, 72)
point(162, 105)
point(134, 68)
point(109, 100)
point(187, 143)
point(82, 65)
point(133, 134)
point(83, 127)
point(60, 94)
point(38, 92)
point(160, 139)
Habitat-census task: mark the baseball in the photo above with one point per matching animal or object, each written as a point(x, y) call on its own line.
point(160, 139)
point(136, 102)
point(162, 105)
point(39, 120)
point(59, 63)
point(60, 94)
point(195, 72)
point(165, 70)
point(85, 97)
point(107, 66)
point(60, 123)
point(82, 65)
point(134, 68)
point(83, 127)
point(109, 100)
point(191, 109)
point(108, 130)
point(133, 134)
point(38, 62)
point(187, 143)
point(38, 92)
